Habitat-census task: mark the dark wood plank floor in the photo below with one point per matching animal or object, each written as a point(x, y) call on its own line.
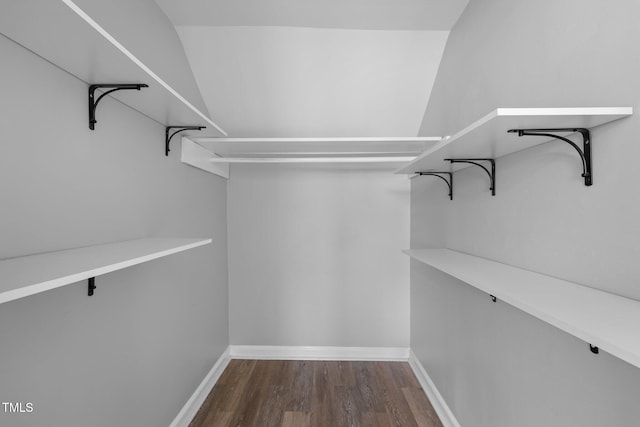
point(316, 393)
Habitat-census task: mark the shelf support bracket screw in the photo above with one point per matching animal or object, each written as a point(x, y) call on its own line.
point(91, 286)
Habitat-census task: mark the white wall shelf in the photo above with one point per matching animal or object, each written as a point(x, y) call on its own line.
point(314, 159)
point(60, 32)
point(606, 321)
point(282, 148)
point(197, 156)
point(488, 137)
point(330, 150)
point(29, 275)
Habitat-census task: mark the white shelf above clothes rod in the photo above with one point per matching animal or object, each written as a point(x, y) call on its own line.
point(304, 147)
point(328, 140)
point(216, 154)
point(604, 320)
point(489, 138)
point(334, 159)
point(63, 34)
point(33, 274)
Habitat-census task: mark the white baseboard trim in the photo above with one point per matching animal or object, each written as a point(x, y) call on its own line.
point(267, 352)
point(190, 409)
point(264, 352)
point(436, 399)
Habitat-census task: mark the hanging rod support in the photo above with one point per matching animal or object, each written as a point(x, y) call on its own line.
point(584, 153)
point(492, 173)
point(167, 137)
point(594, 349)
point(93, 103)
point(92, 285)
point(493, 298)
point(449, 181)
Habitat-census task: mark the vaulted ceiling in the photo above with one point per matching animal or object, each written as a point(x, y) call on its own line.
point(300, 68)
point(427, 15)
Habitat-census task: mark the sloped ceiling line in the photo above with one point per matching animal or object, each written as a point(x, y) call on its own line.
point(337, 68)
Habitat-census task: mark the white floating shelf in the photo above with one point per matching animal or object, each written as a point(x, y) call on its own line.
point(199, 157)
point(325, 147)
point(323, 140)
point(29, 275)
point(216, 154)
point(488, 137)
point(333, 159)
point(60, 32)
point(610, 322)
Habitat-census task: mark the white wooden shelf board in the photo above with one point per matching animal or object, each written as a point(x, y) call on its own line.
point(279, 147)
point(58, 31)
point(199, 157)
point(29, 275)
point(322, 140)
point(488, 137)
point(334, 159)
point(605, 320)
point(212, 153)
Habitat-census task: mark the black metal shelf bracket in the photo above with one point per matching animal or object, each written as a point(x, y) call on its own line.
point(584, 153)
point(594, 349)
point(449, 181)
point(492, 173)
point(93, 103)
point(91, 286)
point(167, 137)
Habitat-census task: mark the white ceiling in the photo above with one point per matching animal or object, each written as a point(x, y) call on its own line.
point(334, 68)
point(348, 14)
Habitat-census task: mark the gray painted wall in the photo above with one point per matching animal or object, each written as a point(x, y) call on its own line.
point(314, 256)
point(494, 365)
point(134, 353)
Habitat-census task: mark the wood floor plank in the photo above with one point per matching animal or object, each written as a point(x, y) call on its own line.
point(421, 408)
point(403, 375)
point(322, 400)
point(276, 393)
point(368, 387)
point(375, 419)
point(301, 386)
point(344, 373)
point(296, 419)
point(226, 395)
point(395, 403)
point(267, 396)
point(348, 412)
point(272, 408)
point(271, 411)
point(218, 418)
point(249, 404)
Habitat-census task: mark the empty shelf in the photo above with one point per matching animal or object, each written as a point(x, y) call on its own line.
point(604, 320)
point(29, 275)
point(488, 137)
point(63, 34)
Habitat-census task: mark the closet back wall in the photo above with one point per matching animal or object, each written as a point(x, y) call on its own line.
point(133, 353)
point(314, 257)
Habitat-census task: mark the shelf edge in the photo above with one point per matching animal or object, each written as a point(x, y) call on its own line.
point(512, 112)
point(104, 33)
point(574, 330)
point(47, 285)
